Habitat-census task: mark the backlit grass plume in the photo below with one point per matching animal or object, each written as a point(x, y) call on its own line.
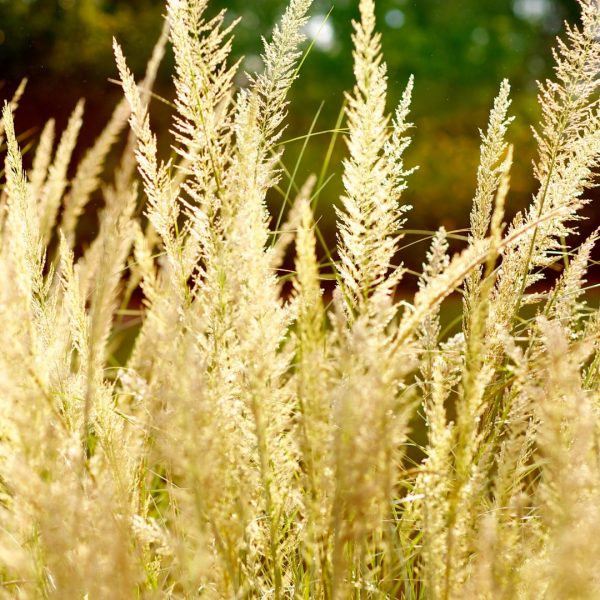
point(183, 414)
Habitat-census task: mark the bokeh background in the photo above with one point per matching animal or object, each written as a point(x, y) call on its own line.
point(458, 51)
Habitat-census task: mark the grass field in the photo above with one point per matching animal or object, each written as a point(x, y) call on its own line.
point(185, 415)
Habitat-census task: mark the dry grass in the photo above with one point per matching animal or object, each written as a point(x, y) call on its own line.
point(254, 444)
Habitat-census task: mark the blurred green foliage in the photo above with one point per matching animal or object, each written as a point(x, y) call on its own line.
point(458, 51)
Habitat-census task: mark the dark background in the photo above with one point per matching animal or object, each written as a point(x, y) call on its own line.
point(458, 51)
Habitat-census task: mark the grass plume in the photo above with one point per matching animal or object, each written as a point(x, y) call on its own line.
point(180, 417)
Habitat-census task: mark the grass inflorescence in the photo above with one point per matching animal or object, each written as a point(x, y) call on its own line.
point(184, 416)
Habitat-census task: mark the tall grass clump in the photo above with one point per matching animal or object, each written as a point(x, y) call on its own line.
point(181, 418)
